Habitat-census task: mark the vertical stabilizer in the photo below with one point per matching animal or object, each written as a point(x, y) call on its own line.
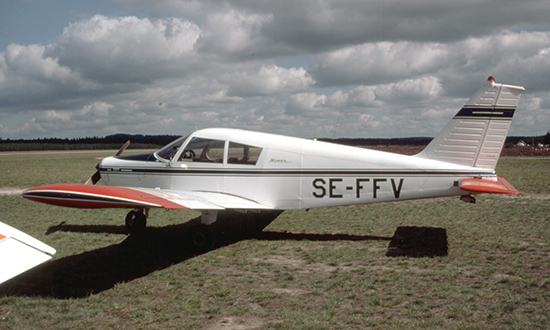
point(476, 134)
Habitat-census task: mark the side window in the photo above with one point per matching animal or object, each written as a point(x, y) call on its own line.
point(243, 154)
point(203, 150)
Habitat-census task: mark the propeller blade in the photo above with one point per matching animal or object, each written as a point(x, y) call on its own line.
point(96, 177)
point(121, 150)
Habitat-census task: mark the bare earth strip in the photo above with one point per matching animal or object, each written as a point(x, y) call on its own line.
point(57, 152)
point(11, 191)
point(54, 152)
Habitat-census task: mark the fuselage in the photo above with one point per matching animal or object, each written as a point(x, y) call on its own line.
point(286, 173)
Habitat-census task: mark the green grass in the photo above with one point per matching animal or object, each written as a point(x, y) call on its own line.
point(322, 269)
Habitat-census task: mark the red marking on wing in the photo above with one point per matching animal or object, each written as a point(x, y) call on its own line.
point(91, 196)
point(479, 185)
point(2, 237)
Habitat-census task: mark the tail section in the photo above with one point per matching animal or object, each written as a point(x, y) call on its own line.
point(476, 135)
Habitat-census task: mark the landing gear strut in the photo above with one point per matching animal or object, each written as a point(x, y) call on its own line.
point(136, 220)
point(204, 234)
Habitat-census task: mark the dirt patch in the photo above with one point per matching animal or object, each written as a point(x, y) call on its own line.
point(11, 191)
point(236, 323)
point(282, 260)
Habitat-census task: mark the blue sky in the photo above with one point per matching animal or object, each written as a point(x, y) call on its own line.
point(42, 21)
point(385, 68)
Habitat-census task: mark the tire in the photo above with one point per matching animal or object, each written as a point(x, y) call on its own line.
point(135, 221)
point(203, 238)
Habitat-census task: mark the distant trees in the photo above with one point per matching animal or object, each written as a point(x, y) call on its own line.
point(88, 143)
point(139, 141)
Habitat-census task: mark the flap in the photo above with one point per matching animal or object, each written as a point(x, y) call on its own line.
point(221, 200)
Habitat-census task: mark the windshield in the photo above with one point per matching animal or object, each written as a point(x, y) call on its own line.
point(167, 152)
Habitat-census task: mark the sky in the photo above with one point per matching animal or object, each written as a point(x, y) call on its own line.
point(308, 68)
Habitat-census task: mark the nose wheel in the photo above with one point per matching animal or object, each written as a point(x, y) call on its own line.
point(136, 221)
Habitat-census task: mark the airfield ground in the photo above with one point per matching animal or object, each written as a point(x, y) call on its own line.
point(322, 269)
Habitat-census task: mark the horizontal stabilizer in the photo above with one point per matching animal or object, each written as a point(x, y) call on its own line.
point(479, 185)
point(20, 252)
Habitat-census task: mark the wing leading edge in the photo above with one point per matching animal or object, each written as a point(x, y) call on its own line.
point(90, 196)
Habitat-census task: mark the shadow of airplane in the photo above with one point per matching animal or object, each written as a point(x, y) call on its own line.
point(98, 229)
point(136, 256)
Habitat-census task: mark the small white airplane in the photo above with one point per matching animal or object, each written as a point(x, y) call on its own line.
point(218, 169)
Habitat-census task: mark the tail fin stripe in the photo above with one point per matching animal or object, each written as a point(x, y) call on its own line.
point(486, 112)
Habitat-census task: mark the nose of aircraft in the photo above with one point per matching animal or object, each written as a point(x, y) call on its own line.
point(96, 176)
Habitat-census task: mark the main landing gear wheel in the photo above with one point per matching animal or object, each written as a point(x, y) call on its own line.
point(136, 221)
point(203, 238)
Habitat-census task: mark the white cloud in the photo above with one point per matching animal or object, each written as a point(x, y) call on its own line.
point(379, 63)
point(127, 49)
point(269, 80)
point(423, 90)
point(28, 77)
point(233, 33)
point(309, 68)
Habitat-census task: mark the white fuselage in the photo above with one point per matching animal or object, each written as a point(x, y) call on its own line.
point(293, 173)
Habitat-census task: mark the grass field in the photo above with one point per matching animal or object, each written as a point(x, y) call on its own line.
point(322, 269)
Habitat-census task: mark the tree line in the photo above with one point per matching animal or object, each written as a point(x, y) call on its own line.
point(115, 141)
point(139, 141)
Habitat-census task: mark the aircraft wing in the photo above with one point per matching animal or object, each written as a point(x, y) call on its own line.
point(91, 196)
point(20, 252)
point(479, 185)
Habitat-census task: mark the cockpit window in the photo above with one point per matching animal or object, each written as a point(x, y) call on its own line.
point(169, 151)
point(203, 150)
point(243, 154)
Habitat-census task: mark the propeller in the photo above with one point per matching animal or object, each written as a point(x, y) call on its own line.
point(96, 177)
point(121, 150)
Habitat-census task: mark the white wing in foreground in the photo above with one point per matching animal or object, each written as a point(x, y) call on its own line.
point(20, 252)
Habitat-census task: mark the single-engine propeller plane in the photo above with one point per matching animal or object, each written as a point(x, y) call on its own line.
point(218, 169)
